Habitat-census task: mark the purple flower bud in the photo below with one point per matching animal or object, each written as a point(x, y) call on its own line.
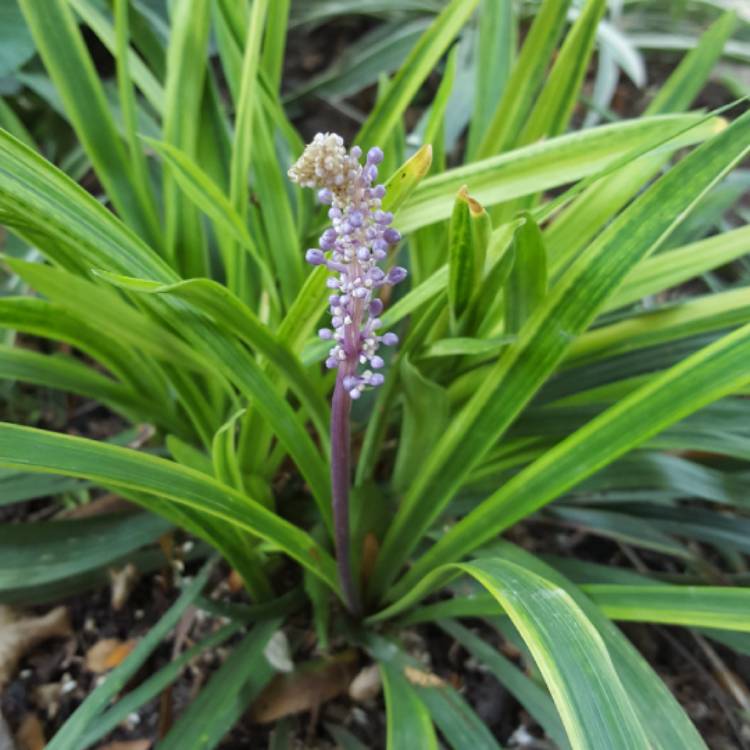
point(392, 236)
point(396, 275)
point(315, 257)
point(359, 238)
point(328, 239)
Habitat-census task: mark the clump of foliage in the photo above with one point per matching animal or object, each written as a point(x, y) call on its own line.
point(526, 370)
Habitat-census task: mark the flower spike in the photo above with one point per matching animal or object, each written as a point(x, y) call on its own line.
point(351, 249)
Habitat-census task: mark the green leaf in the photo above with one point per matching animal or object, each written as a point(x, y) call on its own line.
point(90, 12)
point(221, 702)
point(692, 317)
point(528, 72)
point(274, 44)
point(567, 310)
point(37, 450)
point(69, 65)
point(426, 415)
point(417, 66)
point(408, 722)
point(574, 227)
point(553, 108)
point(16, 44)
point(18, 486)
point(124, 323)
point(698, 380)
point(724, 608)
point(59, 372)
point(183, 91)
point(381, 50)
point(457, 722)
point(687, 80)
point(672, 268)
point(459, 346)
point(495, 55)
point(281, 240)
point(593, 705)
point(469, 235)
point(665, 721)
point(402, 183)
point(541, 166)
point(236, 317)
point(224, 453)
point(207, 196)
point(526, 286)
point(244, 132)
point(36, 554)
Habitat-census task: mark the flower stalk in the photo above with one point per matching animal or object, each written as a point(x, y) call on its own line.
point(351, 249)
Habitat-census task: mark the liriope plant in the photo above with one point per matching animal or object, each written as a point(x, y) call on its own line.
point(518, 369)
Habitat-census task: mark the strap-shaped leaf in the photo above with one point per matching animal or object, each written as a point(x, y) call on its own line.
point(594, 707)
point(38, 450)
point(417, 66)
point(540, 166)
point(566, 312)
point(700, 379)
point(409, 723)
point(61, 46)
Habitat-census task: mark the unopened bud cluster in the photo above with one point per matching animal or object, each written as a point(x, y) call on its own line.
point(351, 249)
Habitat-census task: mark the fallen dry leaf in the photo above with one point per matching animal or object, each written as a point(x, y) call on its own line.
point(127, 745)
point(423, 679)
point(47, 698)
point(30, 734)
point(19, 634)
point(366, 685)
point(107, 654)
point(102, 506)
point(235, 582)
point(122, 582)
point(305, 689)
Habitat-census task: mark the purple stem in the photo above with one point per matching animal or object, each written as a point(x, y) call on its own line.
point(340, 450)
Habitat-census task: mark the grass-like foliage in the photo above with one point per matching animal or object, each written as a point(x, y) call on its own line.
point(527, 370)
